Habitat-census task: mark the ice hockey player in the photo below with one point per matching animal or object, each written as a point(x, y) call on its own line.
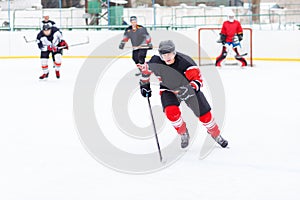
point(50, 40)
point(230, 36)
point(140, 40)
point(180, 80)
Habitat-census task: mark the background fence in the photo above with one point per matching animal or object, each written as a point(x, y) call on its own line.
point(182, 17)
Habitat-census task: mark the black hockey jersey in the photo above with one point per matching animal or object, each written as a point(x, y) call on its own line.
point(138, 36)
point(54, 38)
point(180, 73)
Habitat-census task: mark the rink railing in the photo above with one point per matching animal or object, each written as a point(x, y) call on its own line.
point(73, 19)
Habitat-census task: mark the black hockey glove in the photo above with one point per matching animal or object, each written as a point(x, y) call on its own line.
point(145, 89)
point(150, 46)
point(240, 36)
point(185, 92)
point(222, 38)
point(121, 45)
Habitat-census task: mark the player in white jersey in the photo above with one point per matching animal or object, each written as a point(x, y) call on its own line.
point(50, 40)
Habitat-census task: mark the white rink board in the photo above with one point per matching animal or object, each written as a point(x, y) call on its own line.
point(266, 44)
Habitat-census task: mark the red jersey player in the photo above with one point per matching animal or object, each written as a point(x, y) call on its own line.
point(231, 34)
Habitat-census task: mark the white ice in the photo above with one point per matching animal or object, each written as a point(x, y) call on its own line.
point(42, 157)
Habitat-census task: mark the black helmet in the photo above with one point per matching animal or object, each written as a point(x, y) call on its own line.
point(133, 18)
point(166, 46)
point(46, 27)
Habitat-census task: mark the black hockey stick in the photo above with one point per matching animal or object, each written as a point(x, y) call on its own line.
point(240, 56)
point(28, 41)
point(154, 128)
point(236, 56)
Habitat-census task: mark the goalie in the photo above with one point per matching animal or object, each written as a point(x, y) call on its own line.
point(231, 34)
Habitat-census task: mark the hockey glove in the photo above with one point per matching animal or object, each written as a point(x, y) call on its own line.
point(150, 46)
point(222, 39)
point(52, 48)
point(63, 44)
point(240, 36)
point(145, 89)
point(185, 92)
point(121, 45)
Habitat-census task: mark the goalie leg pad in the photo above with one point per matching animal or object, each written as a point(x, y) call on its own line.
point(221, 57)
point(240, 58)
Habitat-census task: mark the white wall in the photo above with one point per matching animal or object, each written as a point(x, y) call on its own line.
point(20, 4)
point(266, 44)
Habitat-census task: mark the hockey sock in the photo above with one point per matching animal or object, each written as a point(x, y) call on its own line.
point(45, 69)
point(57, 66)
point(210, 124)
point(174, 115)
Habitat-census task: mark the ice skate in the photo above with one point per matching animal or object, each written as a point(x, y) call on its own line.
point(221, 141)
point(185, 139)
point(57, 74)
point(44, 76)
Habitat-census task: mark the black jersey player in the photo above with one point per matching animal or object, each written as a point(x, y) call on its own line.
point(140, 40)
point(50, 40)
point(180, 80)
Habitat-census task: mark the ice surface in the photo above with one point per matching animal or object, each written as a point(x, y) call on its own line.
point(42, 156)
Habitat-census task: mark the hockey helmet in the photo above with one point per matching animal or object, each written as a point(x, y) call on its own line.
point(46, 27)
point(166, 46)
point(230, 16)
point(133, 18)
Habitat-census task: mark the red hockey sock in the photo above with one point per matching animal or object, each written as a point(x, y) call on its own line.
point(210, 124)
point(174, 115)
point(45, 69)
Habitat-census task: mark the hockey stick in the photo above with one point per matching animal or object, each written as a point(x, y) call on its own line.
point(141, 47)
point(240, 56)
point(154, 128)
point(76, 44)
point(28, 41)
point(236, 56)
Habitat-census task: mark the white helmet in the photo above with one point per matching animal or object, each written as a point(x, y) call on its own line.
point(230, 16)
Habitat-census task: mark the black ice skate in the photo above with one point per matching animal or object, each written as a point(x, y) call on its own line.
point(221, 141)
point(44, 76)
point(185, 139)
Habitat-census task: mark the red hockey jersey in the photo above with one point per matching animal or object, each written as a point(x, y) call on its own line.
point(230, 29)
